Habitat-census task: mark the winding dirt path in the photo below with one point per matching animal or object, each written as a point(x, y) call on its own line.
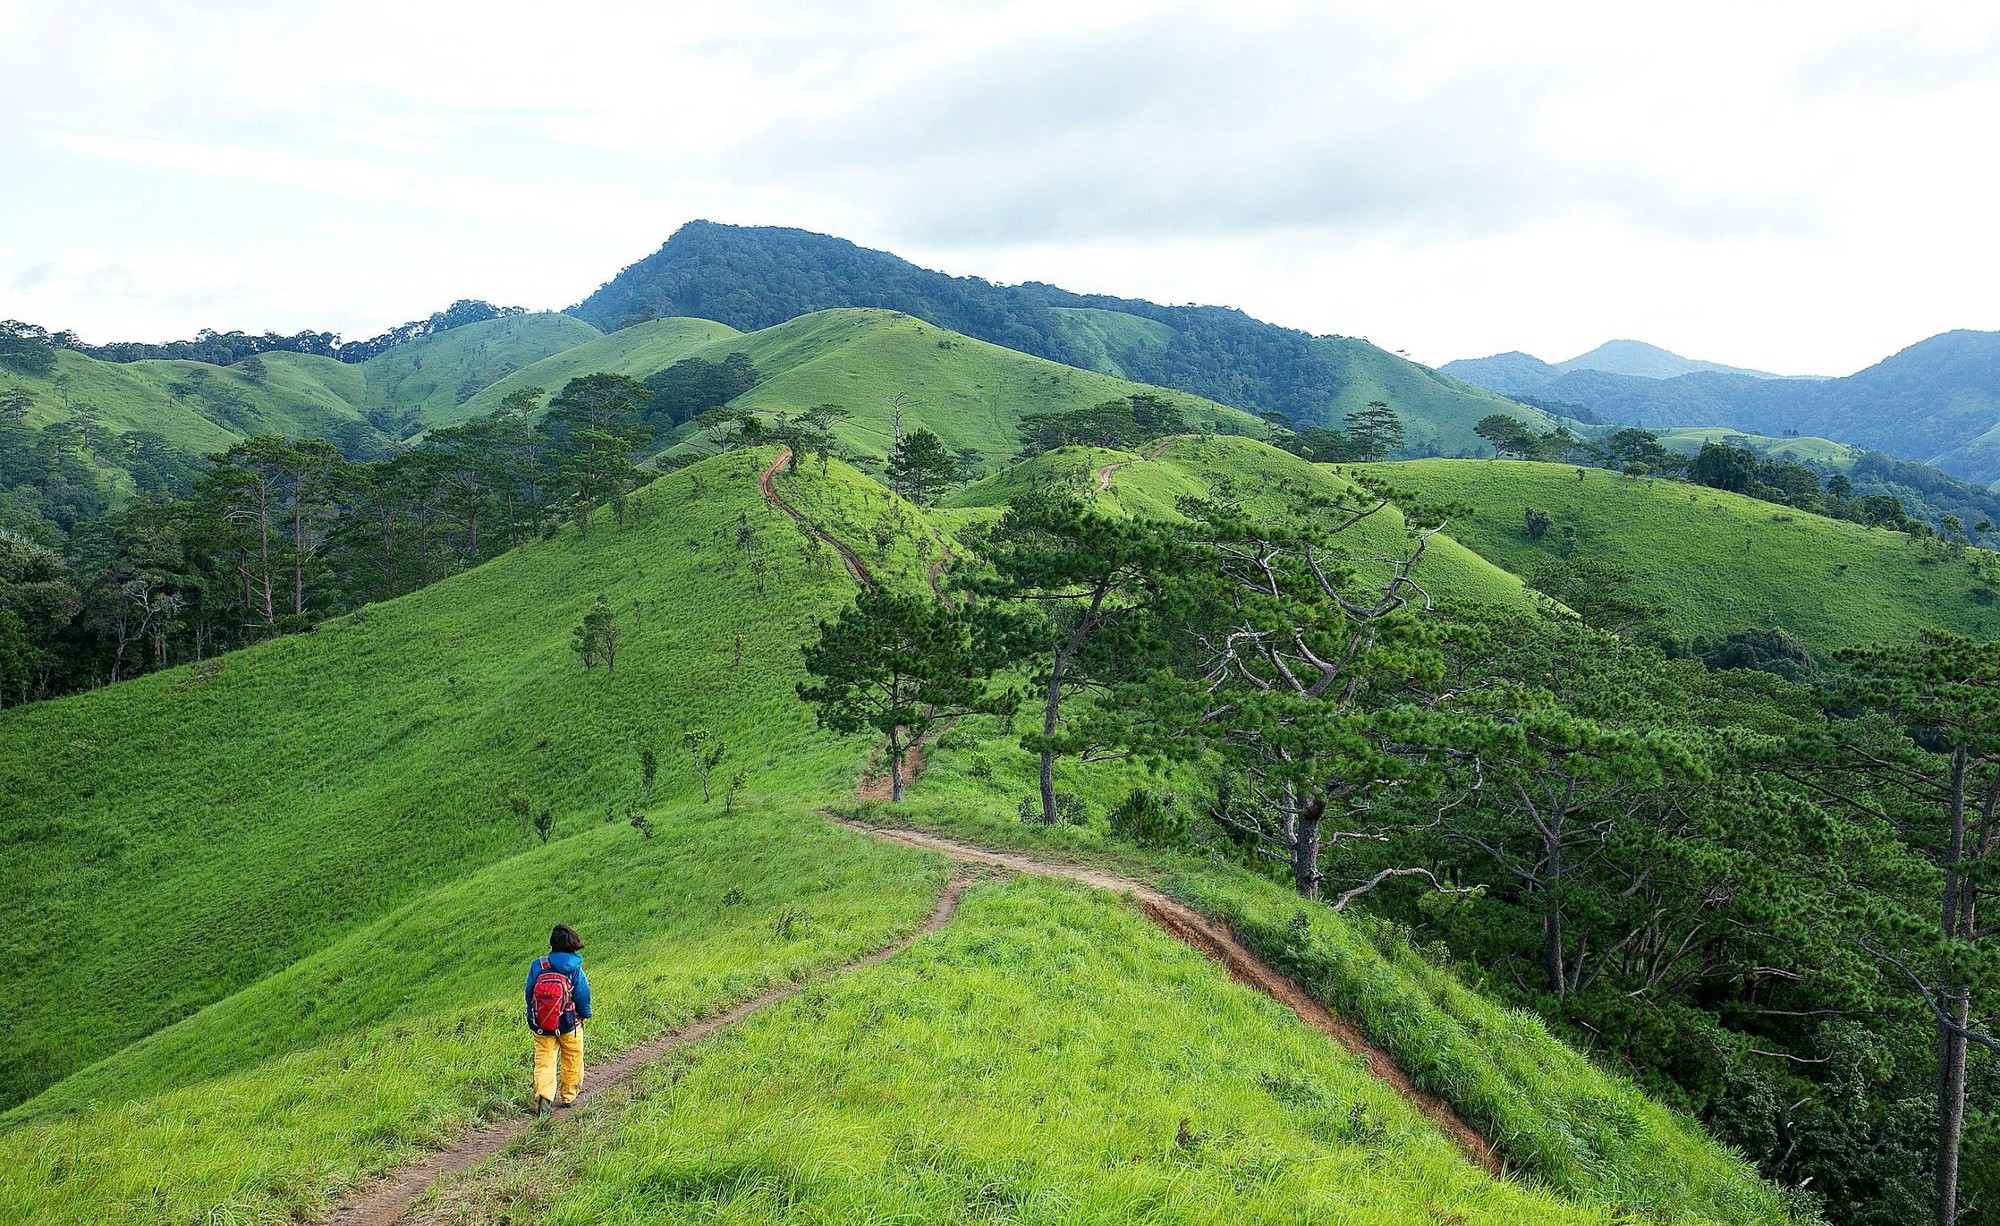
point(1104, 473)
point(853, 562)
point(384, 1201)
point(1213, 938)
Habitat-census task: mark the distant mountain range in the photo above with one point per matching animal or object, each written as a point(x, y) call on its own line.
point(1514, 371)
point(752, 277)
point(1937, 401)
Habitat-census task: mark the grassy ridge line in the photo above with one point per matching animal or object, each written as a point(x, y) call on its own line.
point(1051, 1056)
point(156, 822)
point(1715, 561)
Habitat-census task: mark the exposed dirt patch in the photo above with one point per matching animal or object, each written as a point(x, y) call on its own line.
point(383, 1202)
point(1104, 473)
point(848, 557)
point(1215, 940)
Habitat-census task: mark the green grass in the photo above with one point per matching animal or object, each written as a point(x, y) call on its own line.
point(1716, 561)
point(1555, 1117)
point(1036, 1061)
point(408, 1031)
point(438, 374)
point(1110, 339)
point(1267, 481)
point(971, 394)
point(637, 351)
point(154, 822)
point(280, 909)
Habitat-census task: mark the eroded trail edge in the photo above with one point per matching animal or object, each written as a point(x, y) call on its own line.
point(1214, 939)
point(385, 1201)
point(848, 557)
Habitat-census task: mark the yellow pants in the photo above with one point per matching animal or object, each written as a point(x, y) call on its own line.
point(570, 1048)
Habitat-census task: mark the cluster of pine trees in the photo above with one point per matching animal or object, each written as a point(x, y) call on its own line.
point(1767, 899)
point(279, 533)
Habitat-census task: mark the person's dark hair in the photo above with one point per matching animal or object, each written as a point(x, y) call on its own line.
point(563, 940)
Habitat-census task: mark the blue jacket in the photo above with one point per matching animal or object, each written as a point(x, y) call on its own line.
point(571, 965)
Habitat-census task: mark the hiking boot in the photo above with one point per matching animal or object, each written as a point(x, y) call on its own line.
point(542, 1108)
point(566, 1104)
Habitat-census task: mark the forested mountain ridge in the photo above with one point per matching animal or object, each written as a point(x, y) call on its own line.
point(1937, 401)
point(754, 277)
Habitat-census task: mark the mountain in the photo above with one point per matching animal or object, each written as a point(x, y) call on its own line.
point(1649, 362)
point(1937, 401)
point(1505, 373)
point(755, 277)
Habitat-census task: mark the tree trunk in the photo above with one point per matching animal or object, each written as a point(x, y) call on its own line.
point(1552, 930)
point(1051, 710)
point(895, 766)
point(1305, 851)
point(264, 550)
point(1951, 1102)
point(299, 548)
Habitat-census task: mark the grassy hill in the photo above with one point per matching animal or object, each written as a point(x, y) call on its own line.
point(194, 409)
point(1716, 561)
point(1264, 479)
point(280, 902)
point(970, 393)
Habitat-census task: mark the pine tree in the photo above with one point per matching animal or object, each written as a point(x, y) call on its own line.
point(896, 664)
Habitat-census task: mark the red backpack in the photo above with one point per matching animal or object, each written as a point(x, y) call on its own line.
point(551, 998)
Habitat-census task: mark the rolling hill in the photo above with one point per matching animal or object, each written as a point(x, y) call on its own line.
point(752, 278)
point(282, 899)
point(145, 426)
point(1715, 561)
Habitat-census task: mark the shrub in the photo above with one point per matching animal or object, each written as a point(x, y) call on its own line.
point(1149, 819)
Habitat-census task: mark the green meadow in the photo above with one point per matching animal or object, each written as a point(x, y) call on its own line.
point(1715, 561)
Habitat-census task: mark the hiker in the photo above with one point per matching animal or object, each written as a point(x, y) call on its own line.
point(558, 1003)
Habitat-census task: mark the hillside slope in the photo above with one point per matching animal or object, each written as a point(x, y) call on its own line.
point(754, 277)
point(1715, 561)
point(970, 393)
point(144, 427)
point(1264, 479)
point(282, 900)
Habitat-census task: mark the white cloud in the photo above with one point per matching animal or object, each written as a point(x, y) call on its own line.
point(1800, 187)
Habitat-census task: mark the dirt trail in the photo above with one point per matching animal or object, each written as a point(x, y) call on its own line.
point(1213, 938)
point(854, 564)
point(1104, 473)
point(384, 1201)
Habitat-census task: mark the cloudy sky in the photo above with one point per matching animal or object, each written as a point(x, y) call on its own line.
point(1799, 187)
